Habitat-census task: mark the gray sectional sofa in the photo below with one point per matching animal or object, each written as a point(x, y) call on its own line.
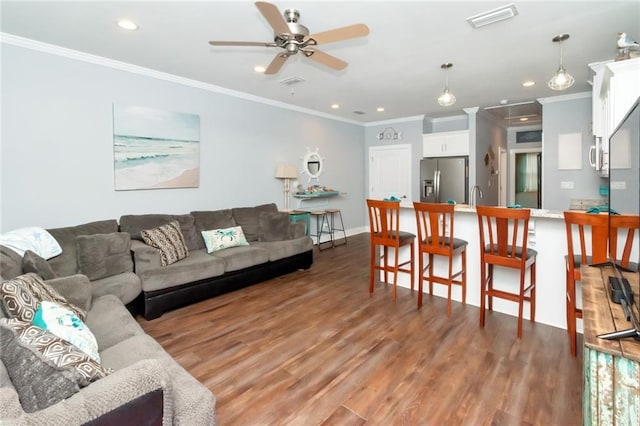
point(276, 246)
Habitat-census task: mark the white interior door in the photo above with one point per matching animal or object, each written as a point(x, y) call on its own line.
point(390, 172)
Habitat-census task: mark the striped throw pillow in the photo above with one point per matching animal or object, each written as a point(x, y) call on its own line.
point(169, 240)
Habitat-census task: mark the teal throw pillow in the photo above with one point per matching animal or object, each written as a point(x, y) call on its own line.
point(66, 325)
point(218, 239)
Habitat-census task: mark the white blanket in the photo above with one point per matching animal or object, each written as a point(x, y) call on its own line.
point(32, 238)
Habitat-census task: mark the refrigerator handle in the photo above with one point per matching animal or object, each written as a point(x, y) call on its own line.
point(436, 180)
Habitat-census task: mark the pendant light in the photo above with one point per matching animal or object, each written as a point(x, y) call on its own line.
point(447, 98)
point(561, 80)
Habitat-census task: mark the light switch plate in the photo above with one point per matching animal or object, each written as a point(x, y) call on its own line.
point(566, 184)
point(618, 184)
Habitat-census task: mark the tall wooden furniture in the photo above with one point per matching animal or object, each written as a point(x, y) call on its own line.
point(436, 238)
point(384, 223)
point(503, 242)
point(590, 248)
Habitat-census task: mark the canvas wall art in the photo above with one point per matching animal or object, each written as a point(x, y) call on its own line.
point(155, 149)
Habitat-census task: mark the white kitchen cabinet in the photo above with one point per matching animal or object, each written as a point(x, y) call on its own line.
point(445, 144)
point(616, 86)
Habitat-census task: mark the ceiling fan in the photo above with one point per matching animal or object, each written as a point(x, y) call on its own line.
point(294, 37)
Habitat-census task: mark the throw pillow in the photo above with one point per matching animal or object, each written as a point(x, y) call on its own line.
point(169, 240)
point(57, 352)
point(33, 262)
point(218, 239)
point(64, 324)
point(274, 226)
point(38, 383)
point(104, 255)
point(22, 296)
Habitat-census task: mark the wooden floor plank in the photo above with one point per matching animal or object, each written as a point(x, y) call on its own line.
point(315, 348)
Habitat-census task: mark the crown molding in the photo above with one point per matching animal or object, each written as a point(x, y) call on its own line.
point(10, 39)
point(562, 98)
point(394, 121)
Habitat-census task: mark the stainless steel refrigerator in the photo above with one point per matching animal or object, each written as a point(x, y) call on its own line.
point(443, 179)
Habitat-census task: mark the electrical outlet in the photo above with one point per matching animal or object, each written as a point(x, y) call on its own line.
point(566, 184)
point(618, 185)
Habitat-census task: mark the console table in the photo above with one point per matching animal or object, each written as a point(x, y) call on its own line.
point(611, 368)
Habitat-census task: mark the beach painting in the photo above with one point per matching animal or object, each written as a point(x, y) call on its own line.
point(155, 149)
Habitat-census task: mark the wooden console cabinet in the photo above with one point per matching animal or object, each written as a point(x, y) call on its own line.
point(611, 393)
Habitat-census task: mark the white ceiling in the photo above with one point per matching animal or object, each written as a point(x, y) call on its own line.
point(397, 66)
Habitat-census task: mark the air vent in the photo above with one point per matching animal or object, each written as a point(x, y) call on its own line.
point(493, 16)
point(359, 112)
point(290, 81)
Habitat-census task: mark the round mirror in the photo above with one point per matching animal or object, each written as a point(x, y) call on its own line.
point(312, 164)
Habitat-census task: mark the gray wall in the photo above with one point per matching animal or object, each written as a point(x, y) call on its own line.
point(561, 117)
point(489, 138)
point(57, 145)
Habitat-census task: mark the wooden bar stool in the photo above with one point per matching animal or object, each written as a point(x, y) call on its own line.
point(590, 248)
point(321, 220)
point(503, 242)
point(384, 222)
point(436, 238)
point(332, 225)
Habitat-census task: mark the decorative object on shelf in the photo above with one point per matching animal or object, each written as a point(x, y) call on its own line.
point(312, 164)
point(561, 80)
point(390, 133)
point(155, 149)
point(623, 46)
point(315, 191)
point(286, 172)
point(447, 98)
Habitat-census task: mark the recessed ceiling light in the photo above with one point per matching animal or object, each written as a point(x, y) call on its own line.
point(335, 106)
point(528, 83)
point(380, 109)
point(259, 68)
point(524, 119)
point(127, 24)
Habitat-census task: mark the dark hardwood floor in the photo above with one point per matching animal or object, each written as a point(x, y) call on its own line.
point(313, 347)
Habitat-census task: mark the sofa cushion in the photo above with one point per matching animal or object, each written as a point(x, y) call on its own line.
point(281, 249)
point(57, 352)
point(237, 258)
point(38, 383)
point(10, 263)
point(274, 226)
point(125, 286)
point(220, 239)
point(247, 217)
point(215, 219)
point(134, 224)
point(104, 255)
point(76, 289)
point(198, 266)
point(110, 322)
point(67, 264)
point(169, 240)
point(33, 262)
point(23, 294)
point(63, 323)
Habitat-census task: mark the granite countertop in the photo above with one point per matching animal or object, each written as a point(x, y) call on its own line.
point(540, 213)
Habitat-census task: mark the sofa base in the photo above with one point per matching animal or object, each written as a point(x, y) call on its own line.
point(160, 301)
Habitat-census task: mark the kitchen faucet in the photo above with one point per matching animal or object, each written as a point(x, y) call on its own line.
point(472, 195)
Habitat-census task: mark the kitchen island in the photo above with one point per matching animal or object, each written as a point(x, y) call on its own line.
point(546, 236)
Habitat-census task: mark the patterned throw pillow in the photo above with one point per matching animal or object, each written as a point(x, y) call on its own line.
point(63, 323)
point(169, 240)
point(218, 239)
point(22, 296)
point(57, 352)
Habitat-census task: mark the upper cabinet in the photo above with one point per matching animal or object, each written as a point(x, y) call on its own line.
point(445, 144)
point(616, 86)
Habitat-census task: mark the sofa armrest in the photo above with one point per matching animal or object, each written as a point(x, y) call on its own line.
point(75, 288)
point(135, 384)
point(145, 257)
point(297, 229)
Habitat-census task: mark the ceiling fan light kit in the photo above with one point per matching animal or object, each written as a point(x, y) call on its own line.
point(294, 37)
point(447, 98)
point(561, 80)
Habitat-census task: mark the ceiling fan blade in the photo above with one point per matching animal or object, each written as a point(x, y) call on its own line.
point(338, 34)
point(242, 43)
point(325, 59)
point(277, 63)
point(273, 17)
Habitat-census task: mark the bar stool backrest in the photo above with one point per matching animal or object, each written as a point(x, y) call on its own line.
point(384, 222)
point(620, 224)
point(503, 235)
point(589, 247)
point(435, 227)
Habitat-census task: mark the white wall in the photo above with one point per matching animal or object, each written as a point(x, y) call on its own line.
point(57, 145)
